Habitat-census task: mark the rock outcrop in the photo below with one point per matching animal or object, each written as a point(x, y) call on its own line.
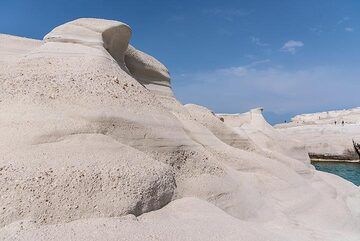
point(95, 146)
point(350, 116)
point(327, 135)
point(72, 119)
point(148, 71)
point(275, 144)
point(13, 48)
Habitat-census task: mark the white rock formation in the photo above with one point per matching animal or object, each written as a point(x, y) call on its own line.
point(275, 144)
point(327, 135)
point(12, 48)
point(94, 146)
point(350, 116)
point(148, 71)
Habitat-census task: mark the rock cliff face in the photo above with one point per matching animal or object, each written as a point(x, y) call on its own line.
point(327, 135)
point(95, 146)
point(350, 116)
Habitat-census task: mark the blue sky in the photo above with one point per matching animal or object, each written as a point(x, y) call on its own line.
point(287, 56)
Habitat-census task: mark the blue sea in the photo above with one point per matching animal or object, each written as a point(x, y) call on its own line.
point(349, 171)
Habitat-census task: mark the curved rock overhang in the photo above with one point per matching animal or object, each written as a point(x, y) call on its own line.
point(114, 37)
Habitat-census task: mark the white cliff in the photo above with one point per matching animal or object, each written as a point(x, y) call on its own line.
point(327, 135)
point(350, 116)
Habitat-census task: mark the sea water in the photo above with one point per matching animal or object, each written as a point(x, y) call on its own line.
point(349, 171)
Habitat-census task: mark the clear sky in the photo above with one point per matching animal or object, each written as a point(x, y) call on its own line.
point(287, 56)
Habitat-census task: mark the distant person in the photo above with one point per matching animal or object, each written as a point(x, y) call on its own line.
point(285, 121)
point(342, 122)
point(335, 122)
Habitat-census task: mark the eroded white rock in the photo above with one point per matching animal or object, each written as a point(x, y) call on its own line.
point(327, 135)
point(90, 131)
